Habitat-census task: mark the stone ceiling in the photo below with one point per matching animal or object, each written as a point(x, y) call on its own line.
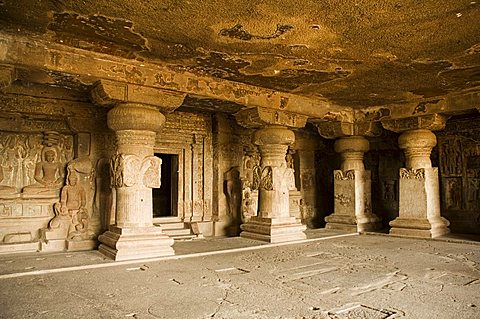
point(352, 53)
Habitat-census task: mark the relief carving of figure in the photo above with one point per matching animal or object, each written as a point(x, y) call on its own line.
point(34, 149)
point(48, 174)
point(12, 156)
point(72, 209)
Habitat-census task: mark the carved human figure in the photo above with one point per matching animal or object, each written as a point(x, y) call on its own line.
point(48, 174)
point(32, 157)
point(12, 156)
point(5, 189)
point(72, 203)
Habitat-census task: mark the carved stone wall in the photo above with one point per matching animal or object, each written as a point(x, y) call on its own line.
point(459, 164)
point(188, 135)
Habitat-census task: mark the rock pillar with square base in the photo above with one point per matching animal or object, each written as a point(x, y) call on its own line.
point(135, 171)
point(419, 210)
point(273, 222)
point(352, 189)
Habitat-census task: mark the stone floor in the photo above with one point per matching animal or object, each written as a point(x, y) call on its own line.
point(329, 275)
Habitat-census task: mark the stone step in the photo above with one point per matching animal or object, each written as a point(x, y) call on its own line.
point(179, 225)
point(177, 232)
point(175, 228)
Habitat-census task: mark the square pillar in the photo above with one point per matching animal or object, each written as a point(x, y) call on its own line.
point(352, 189)
point(419, 198)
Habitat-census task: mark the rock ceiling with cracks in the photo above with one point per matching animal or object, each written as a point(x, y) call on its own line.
point(360, 54)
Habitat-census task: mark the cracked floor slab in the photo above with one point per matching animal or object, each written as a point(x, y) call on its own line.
point(339, 277)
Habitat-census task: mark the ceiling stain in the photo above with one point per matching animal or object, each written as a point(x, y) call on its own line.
point(98, 33)
point(238, 32)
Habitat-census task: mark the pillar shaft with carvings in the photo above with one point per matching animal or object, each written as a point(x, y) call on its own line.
point(273, 222)
point(135, 171)
point(352, 183)
point(419, 198)
point(352, 188)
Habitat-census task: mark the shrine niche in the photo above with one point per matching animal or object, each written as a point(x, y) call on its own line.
point(459, 161)
point(32, 171)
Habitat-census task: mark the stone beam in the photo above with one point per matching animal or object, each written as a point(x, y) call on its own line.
point(7, 75)
point(449, 104)
point(39, 54)
point(109, 93)
point(331, 130)
point(432, 122)
point(258, 117)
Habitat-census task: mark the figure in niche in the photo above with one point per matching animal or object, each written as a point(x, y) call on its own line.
point(12, 156)
point(389, 191)
point(33, 156)
point(48, 174)
point(290, 175)
point(72, 203)
point(248, 206)
point(5, 189)
point(233, 190)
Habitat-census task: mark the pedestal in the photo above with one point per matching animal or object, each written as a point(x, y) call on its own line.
point(134, 243)
point(419, 210)
point(352, 202)
point(273, 230)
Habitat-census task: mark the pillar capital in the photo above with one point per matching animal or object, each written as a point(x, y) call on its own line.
point(432, 122)
point(336, 129)
point(417, 145)
point(134, 116)
point(351, 149)
point(274, 135)
point(258, 116)
point(108, 93)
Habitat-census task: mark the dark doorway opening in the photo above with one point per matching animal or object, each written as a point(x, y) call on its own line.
point(165, 198)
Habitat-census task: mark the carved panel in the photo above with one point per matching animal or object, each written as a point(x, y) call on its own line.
point(344, 176)
point(266, 179)
point(413, 173)
point(33, 159)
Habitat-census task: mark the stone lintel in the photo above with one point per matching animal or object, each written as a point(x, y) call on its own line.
point(332, 130)
point(258, 116)
point(432, 122)
point(7, 75)
point(36, 53)
point(108, 93)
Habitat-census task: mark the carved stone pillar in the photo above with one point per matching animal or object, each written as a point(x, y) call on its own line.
point(352, 188)
point(273, 222)
point(352, 183)
point(135, 171)
point(419, 207)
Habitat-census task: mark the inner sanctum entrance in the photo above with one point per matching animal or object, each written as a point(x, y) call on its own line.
point(165, 198)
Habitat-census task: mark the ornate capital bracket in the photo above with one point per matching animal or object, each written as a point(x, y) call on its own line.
point(259, 116)
point(7, 76)
point(108, 93)
point(432, 122)
point(412, 173)
point(331, 130)
point(128, 170)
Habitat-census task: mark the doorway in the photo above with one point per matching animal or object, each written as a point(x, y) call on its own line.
point(165, 198)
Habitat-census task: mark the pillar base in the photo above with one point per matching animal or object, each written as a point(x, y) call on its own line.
point(273, 230)
point(341, 222)
point(422, 228)
point(135, 243)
